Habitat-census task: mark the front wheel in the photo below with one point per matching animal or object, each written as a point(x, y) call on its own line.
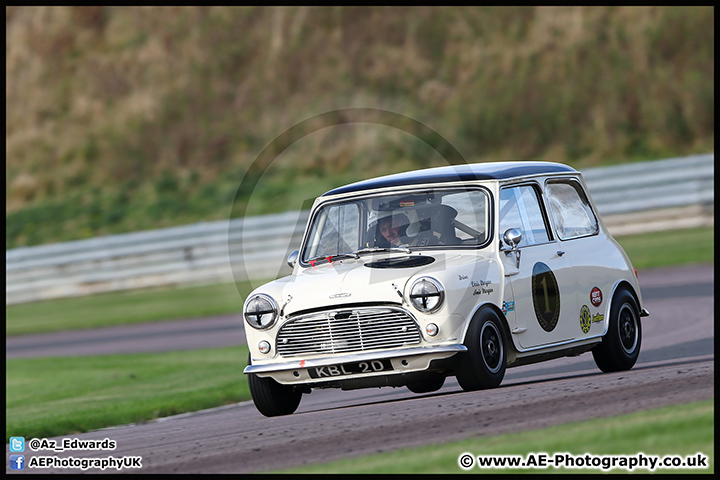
point(271, 398)
point(483, 365)
point(620, 347)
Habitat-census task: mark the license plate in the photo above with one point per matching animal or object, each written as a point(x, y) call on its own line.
point(370, 366)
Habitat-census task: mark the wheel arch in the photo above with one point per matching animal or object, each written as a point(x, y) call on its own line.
point(622, 285)
point(510, 348)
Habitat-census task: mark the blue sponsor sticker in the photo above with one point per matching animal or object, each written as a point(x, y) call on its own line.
point(508, 307)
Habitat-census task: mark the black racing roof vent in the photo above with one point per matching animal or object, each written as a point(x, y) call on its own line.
point(402, 262)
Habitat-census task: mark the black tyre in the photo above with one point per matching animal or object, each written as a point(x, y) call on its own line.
point(431, 383)
point(483, 365)
point(620, 347)
point(271, 398)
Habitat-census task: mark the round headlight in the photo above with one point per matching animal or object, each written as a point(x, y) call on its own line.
point(427, 294)
point(260, 312)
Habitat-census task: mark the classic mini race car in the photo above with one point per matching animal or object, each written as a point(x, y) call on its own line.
point(406, 279)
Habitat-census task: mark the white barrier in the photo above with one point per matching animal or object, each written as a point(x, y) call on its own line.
point(645, 196)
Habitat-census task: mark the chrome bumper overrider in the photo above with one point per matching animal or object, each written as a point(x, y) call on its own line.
point(362, 357)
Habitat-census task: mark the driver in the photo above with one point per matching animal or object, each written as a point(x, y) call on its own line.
point(392, 228)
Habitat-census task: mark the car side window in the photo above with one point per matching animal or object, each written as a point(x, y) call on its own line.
point(572, 215)
point(520, 208)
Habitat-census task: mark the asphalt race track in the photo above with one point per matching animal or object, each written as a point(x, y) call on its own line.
point(676, 365)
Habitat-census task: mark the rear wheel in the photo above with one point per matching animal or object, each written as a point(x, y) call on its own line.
point(483, 365)
point(620, 347)
point(271, 398)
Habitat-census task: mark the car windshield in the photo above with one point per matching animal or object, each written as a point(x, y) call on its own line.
point(436, 218)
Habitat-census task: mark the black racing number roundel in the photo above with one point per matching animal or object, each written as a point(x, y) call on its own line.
point(546, 296)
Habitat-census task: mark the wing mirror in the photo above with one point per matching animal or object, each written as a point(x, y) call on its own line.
point(292, 258)
point(512, 237)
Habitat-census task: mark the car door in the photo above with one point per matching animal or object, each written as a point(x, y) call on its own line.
point(542, 280)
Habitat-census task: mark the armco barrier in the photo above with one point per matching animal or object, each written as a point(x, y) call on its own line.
point(663, 194)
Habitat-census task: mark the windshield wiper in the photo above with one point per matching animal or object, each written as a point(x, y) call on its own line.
point(330, 258)
point(382, 249)
point(356, 254)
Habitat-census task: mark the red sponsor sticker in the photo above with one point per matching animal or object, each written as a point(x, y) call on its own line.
point(596, 297)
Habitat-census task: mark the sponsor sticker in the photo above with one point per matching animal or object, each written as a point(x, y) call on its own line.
point(596, 296)
point(585, 320)
point(508, 307)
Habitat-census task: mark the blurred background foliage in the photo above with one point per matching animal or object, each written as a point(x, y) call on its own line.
point(128, 118)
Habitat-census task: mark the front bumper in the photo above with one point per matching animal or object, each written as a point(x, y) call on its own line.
point(403, 361)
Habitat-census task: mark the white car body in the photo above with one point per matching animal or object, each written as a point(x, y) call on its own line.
point(353, 321)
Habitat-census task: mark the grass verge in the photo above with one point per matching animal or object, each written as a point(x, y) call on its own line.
point(120, 308)
point(672, 247)
point(646, 251)
point(681, 430)
point(57, 396)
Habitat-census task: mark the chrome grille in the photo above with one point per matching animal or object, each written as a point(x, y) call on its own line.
point(347, 330)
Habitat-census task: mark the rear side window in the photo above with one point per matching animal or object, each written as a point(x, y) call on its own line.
point(571, 210)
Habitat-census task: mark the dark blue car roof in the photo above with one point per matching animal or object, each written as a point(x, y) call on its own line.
point(456, 173)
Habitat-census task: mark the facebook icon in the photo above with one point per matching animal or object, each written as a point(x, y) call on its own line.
point(17, 462)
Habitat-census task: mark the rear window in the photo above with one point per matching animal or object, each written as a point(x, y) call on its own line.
point(572, 215)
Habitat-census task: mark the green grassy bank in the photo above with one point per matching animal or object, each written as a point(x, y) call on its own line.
point(60, 396)
point(126, 118)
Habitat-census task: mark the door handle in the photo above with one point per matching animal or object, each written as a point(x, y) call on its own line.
point(560, 253)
